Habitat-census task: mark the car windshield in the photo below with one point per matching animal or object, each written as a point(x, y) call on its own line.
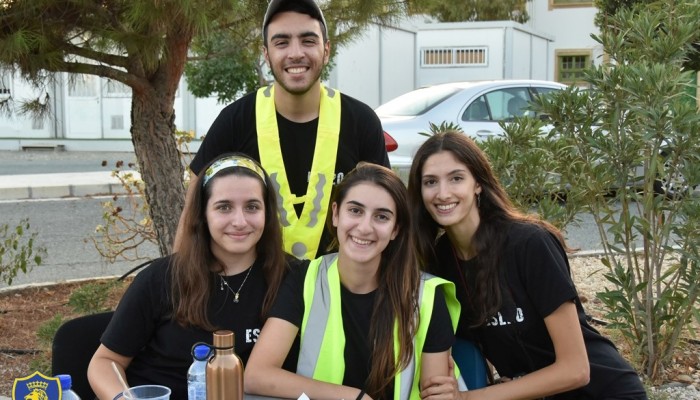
point(416, 102)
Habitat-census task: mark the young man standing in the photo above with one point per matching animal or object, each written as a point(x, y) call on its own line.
point(306, 136)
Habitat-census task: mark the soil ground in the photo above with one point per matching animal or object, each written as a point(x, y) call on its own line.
point(24, 311)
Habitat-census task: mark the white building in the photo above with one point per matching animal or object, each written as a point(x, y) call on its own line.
point(571, 24)
point(389, 61)
point(91, 113)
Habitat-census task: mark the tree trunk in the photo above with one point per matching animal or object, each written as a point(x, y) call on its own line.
point(152, 133)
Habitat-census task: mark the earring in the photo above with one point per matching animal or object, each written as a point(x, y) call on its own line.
point(478, 200)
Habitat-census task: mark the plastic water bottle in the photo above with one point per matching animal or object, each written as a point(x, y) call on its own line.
point(196, 375)
point(66, 383)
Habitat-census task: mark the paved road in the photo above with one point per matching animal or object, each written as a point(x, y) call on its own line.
point(584, 235)
point(65, 227)
point(49, 161)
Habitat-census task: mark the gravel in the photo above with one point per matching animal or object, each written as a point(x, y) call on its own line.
point(588, 275)
point(675, 391)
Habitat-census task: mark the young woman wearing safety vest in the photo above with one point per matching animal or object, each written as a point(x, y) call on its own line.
point(370, 324)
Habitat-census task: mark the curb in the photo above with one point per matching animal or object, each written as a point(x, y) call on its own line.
point(586, 253)
point(10, 289)
point(46, 186)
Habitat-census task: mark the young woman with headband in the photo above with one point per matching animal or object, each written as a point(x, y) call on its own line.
point(225, 275)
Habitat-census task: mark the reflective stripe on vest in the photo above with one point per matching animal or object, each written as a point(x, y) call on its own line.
point(321, 353)
point(301, 234)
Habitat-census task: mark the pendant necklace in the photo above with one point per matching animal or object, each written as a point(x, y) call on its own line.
point(236, 293)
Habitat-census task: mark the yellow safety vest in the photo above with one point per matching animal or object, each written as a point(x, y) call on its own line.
point(321, 352)
point(301, 234)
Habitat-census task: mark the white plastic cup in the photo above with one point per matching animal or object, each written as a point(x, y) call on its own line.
point(147, 392)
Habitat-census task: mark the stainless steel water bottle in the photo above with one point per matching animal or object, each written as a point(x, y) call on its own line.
point(224, 369)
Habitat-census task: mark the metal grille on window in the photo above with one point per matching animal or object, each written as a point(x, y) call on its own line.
point(455, 56)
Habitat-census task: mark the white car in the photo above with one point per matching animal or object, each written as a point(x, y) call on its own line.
point(477, 107)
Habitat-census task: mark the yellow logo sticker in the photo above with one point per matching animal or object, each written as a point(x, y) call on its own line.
point(36, 386)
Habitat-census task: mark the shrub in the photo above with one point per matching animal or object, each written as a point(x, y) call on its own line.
point(92, 297)
point(18, 252)
point(637, 131)
point(126, 222)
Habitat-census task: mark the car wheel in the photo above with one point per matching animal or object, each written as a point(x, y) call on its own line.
point(673, 187)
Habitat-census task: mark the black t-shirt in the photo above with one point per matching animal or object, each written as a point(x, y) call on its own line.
point(537, 281)
point(142, 327)
point(234, 130)
point(357, 312)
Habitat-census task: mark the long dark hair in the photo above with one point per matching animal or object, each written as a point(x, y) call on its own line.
point(192, 266)
point(399, 278)
point(496, 211)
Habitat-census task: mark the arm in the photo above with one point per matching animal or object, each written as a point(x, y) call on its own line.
point(569, 371)
point(130, 329)
point(102, 377)
point(434, 365)
point(264, 374)
point(437, 366)
point(194, 181)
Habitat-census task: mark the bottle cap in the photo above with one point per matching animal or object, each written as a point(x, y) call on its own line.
point(223, 339)
point(201, 351)
point(65, 380)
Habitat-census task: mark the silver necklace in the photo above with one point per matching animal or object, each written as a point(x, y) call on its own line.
point(236, 293)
